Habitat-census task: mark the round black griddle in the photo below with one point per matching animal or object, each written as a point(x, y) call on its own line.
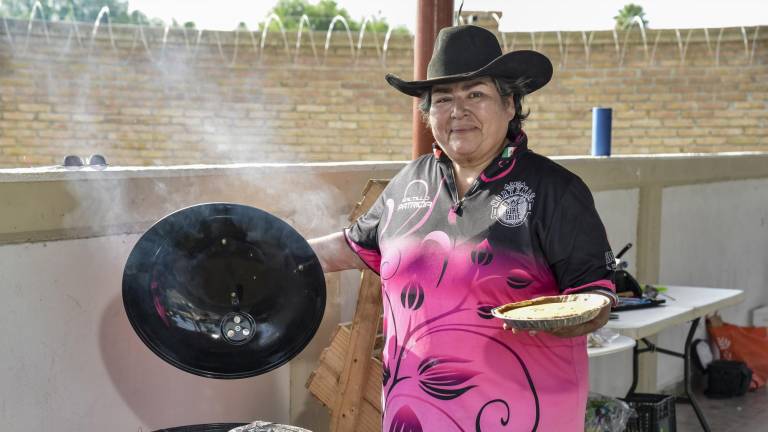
point(224, 290)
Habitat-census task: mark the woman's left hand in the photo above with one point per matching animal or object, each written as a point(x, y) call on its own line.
point(584, 328)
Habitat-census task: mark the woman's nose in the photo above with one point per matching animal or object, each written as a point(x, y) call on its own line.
point(459, 108)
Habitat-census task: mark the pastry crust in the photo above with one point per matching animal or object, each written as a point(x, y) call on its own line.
point(551, 312)
point(548, 311)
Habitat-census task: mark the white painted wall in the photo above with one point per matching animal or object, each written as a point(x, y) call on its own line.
point(70, 361)
point(714, 235)
point(618, 209)
point(612, 375)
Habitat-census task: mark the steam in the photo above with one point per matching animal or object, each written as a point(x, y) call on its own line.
point(114, 201)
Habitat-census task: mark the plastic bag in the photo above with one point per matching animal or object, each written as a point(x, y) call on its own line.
point(747, 344)
point(606, 414)
point(601, 337)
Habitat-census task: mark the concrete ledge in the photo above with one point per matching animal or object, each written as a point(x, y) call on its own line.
point(54, 203)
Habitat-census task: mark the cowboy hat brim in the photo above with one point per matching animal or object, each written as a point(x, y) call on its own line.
point(532, 67)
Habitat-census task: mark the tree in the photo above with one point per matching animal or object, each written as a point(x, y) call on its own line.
point(320, 16)
point(187, 25)
point(626, 16)
point(79, 10)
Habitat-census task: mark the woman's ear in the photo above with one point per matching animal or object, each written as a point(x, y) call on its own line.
point(509, 106)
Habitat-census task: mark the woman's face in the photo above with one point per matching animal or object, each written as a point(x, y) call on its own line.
point(469, 119)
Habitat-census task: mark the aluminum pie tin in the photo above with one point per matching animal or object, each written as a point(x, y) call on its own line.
point(261, 426)
point(551, 312)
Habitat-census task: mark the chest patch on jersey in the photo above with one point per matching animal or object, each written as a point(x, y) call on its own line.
point(512, 206)
point(416, 196)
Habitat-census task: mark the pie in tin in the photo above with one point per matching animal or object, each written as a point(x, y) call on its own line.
point(551, 312)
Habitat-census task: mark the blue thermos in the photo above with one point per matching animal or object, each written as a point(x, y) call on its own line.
point(601, 131)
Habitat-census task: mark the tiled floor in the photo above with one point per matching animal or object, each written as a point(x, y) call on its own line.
point(748, 413)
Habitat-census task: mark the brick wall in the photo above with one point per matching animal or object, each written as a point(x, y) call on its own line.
point(142, 101)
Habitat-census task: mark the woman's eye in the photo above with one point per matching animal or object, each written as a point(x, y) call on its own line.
point(475, 94)
point(442, 100)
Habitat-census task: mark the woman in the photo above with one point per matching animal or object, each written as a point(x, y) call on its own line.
point(480, 222)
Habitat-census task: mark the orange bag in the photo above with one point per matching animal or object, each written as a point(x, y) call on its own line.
point(747, 344)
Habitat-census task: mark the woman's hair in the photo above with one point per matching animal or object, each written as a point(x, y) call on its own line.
point(506, 87)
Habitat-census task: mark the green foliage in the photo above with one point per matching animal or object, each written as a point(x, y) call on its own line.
point(321, 15)
point(186, 25)
point(627, 14)
point(79, 10)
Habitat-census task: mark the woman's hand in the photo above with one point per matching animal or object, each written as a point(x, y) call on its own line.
point(584, 328)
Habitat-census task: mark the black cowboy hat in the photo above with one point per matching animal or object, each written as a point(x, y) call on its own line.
point(467, 52)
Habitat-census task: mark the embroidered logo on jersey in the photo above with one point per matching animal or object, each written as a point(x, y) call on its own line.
point(416, 196)
point(513, 205)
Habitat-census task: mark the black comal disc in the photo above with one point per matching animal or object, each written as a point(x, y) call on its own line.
point(224, 290)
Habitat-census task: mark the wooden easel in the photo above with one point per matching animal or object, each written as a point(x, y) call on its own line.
point(348, 378)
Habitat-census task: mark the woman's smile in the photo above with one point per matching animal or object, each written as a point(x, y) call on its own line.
point(463, 129)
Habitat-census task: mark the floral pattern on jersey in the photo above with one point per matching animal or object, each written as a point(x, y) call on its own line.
point(422, 308)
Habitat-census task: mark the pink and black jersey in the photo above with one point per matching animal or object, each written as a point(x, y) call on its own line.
point(527, 228)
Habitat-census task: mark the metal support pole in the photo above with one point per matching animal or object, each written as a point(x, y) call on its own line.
point(635, 354)
point(687, 376)
point(431, 16)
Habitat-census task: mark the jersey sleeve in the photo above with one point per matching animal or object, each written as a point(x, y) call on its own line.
point(576, 244)
point(362, 236)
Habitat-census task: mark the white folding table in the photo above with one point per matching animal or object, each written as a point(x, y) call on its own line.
point(683, 304)
point(621, 343)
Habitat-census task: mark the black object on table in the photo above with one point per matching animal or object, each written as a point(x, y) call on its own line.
point(631, 303)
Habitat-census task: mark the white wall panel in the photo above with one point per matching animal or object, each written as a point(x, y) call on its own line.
point(70, 360)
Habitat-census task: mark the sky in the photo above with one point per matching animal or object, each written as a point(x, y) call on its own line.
point(531, 15)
